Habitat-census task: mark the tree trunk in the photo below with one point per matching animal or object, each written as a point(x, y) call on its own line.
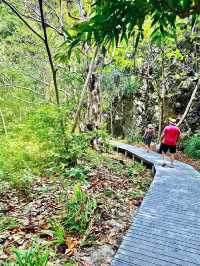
point(189, 103)
point(84, 91)
point(93, 115)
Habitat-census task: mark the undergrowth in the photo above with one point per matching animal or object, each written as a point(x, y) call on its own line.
point(79, 211)
point(36, 256)
point(39, 145)
point(193, 146)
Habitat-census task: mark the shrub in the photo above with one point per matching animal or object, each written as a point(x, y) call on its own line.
point(193, 146)
point(80, 211)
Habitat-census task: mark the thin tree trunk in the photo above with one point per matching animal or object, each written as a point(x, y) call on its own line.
point(162, 103)
point(4, 124)
point(189, 103)
point(111, 120)
point(48, 51)
point(84, 90)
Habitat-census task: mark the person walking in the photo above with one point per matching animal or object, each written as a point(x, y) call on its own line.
point(169, 138)
point(148, 137)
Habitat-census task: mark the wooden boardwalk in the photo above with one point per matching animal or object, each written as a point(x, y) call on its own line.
point(166, 228)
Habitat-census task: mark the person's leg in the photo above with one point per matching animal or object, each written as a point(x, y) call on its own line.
point(172, 159)
point(147, 145)
point(163, 151)
point(172, 155)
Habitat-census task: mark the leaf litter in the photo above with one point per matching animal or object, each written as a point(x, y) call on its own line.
point(30, 215)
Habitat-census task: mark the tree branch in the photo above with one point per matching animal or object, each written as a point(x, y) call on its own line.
point(46, 24)
point(17, 13)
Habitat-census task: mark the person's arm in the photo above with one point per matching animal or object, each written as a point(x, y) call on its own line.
point(163, 134)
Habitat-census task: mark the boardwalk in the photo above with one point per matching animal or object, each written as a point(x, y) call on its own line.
point(166, 228)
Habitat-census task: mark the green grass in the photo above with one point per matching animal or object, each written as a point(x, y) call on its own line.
point(79, 211)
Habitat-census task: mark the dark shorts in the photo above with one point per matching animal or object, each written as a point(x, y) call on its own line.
point(165, 148)
point(147, 141)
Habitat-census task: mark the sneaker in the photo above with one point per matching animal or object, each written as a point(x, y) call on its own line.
point(171, 166)
point(163, 164)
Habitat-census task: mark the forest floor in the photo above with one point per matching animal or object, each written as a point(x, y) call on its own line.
point(34, 216)
point(75, 216)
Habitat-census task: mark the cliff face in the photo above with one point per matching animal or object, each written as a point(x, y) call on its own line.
point(136, 110)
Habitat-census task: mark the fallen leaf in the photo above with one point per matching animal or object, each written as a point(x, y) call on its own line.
point(45, 226)
point(70, 244)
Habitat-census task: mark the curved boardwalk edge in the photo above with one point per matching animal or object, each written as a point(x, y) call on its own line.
point(166, 228)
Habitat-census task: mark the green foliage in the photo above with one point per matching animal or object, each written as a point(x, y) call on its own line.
point(112, 22)
point(8, 222)
point(141, 183)
point(77, 145)
point(58, 232)
point(9, 23)
point(22, 182)
point(133, 136)
point(115, 166)
point(80, 210)
point(35, 256)
point(182, 144)
point(137, 194)
point(77, 173)
point(193, 146)
point(135, 169)
point(135, 172)
point(30, 145)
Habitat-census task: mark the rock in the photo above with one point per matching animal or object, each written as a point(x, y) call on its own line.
point(99, 255)
point(116, 225)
